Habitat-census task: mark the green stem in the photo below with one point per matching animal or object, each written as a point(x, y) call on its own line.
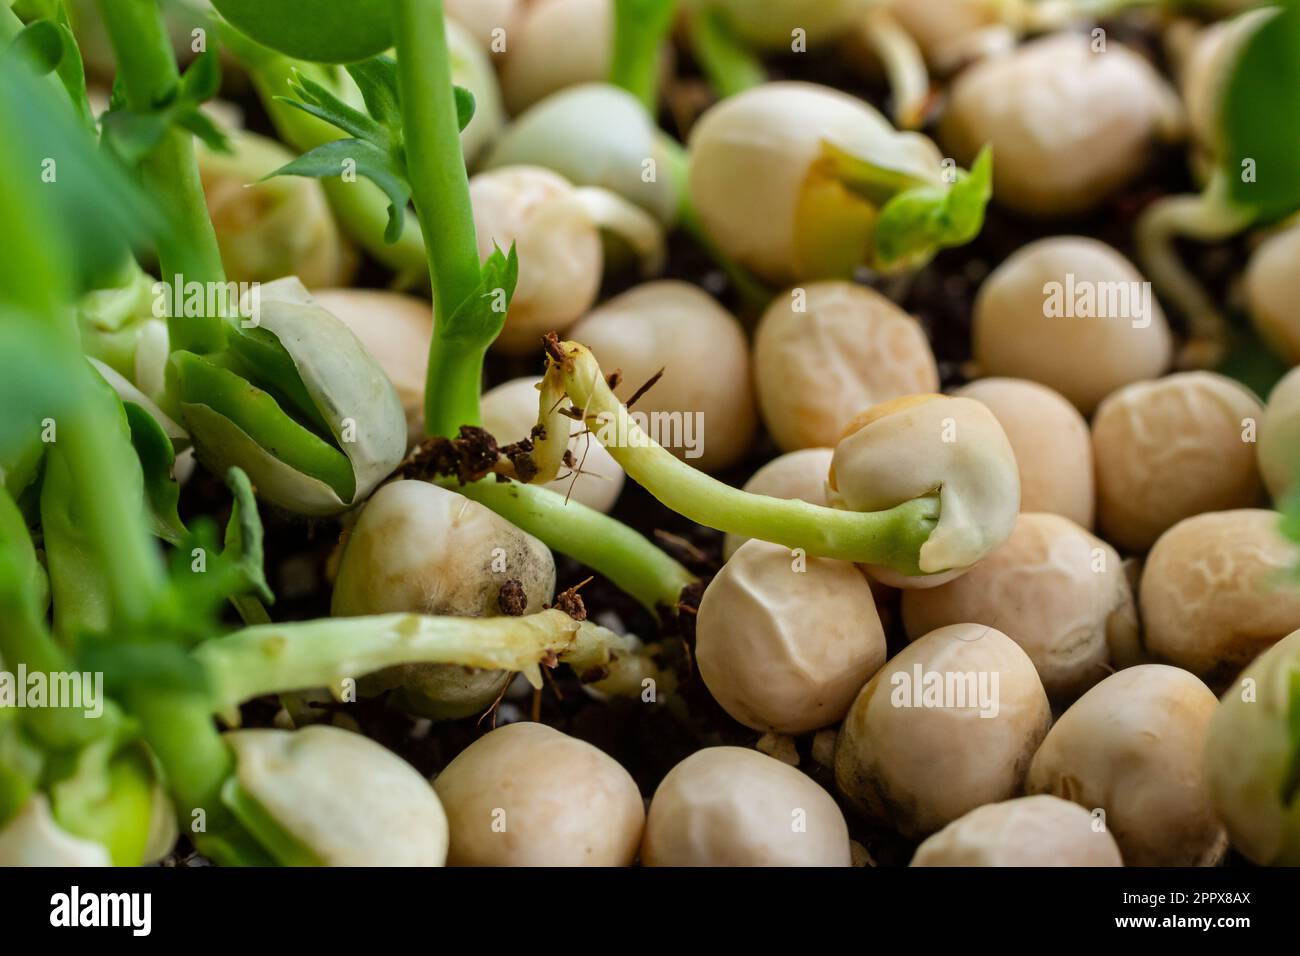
point(632, 562)
point(196, 764)
point(640, 28)
point(105, 480)
point(455, 371)
point(24, 638)
point(278, 658)
point(892, 537)
point(730, 67)
point(148, 73)
point(1206, 217)
point(440, 191)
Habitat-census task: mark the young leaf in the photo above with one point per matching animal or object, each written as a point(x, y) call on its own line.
point(202, 126)
point(376, 78)
point(257, 414)
point(323, 31)
point(874, 183)
point(465, 106)
point(128, 136)
point(202, 79)
point(1260, 112)
point(481, 317)
point(93, 214)
point(51, 48)
point(333, 159)
point(315, 99)
point(131, 134)
point(244, 536)
point(918, 222)
point(157, 460)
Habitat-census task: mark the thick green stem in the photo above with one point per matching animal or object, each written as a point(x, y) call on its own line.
point(278, 658)
point(440, 191)
point(105, 480)
point(640, 28)
point(196, 763)
point(892, 537)
point(632, 562)
point(148, 73)
point(456, 373)
point(24, 639)
point(730, 67)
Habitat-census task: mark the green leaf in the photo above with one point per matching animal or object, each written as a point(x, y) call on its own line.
point(465, 106)
point(331, 159)
point(317, 100)
point(916, 223)
point(201, 125)
point(1291, 778)
point(259, 416)
point(41, 44)
point(244, 536)
point(1260, 112)
point(259, 356)
point(35, 391)
point(481, 316)
point(24, 575)
point(87, 223)
point(376, 78)
point(157, 460)
point(51, 48)
point(129, 136)
point(874, 183)
point(202, 79)
point(323, 31)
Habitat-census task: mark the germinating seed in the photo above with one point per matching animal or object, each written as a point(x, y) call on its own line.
point(518, 432)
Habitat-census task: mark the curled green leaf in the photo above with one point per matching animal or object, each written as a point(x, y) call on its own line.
point(211, 393)
point(917, 222)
